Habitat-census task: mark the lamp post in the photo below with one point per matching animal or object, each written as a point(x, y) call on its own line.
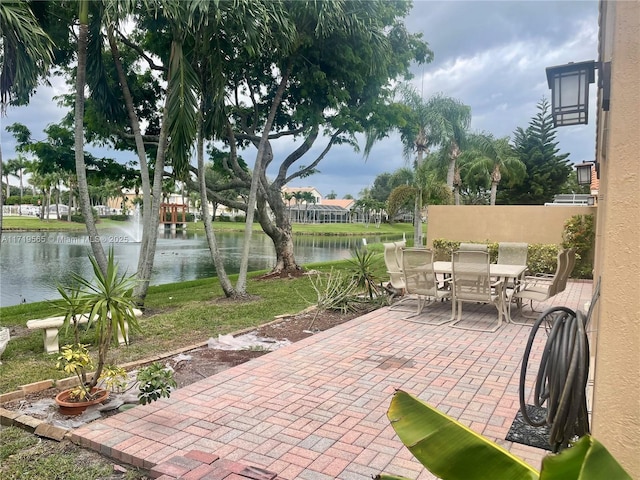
point(569, 86)
point(583, 172)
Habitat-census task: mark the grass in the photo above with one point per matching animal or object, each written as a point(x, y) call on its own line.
point(35, 224)
point(24, 456)
point(177, 315)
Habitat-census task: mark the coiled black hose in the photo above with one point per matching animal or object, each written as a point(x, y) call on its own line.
point(562, 375)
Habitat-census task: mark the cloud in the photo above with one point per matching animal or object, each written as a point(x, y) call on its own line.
point(491, 55)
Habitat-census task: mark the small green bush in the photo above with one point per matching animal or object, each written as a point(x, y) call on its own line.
point(119, 218)
point(541, 258)
point(26, 200)
point(240, 219)
point(579, 233)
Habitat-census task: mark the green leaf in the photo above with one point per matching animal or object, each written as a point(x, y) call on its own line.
point(447, 448)
point(587, 459)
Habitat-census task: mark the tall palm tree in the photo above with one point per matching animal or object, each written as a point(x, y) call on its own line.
point(437, 121)
point(17, 167)
point(81, 169)
point(491, 158)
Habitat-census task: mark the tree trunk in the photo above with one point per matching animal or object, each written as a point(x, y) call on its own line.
point(83, 188)
point(225, 283)
point(279, 231)
point(21, 190)
point(454, 153)
point(150, 204)
point(496, 176)
point(58, 201)
point(457, 183)
point(241, 284)
point(148, 247)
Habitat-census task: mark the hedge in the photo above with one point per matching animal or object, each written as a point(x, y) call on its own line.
point(541, 258)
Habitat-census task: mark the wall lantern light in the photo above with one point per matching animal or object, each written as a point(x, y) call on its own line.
point(569, 86)
point(584, 173)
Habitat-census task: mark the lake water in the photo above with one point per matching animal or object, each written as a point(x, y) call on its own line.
point(33, 263)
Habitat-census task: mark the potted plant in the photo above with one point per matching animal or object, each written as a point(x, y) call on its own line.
point(108, 305)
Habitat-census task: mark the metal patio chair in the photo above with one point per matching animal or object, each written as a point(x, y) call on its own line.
point(420, 281)
point(539, 288)
point(472, 283)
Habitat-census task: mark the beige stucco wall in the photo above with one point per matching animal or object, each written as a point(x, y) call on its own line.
point(616, 401)
point(500, 223)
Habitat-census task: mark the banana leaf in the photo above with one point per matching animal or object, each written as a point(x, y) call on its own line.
point(587, 459)
point(447, 448)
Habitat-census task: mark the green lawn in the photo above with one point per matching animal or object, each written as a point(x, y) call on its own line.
point(177, 315)
point(35, 224)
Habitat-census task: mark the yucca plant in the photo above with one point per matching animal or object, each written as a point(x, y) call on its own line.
point(361, 267)
point(106, 301)
point(452, 451)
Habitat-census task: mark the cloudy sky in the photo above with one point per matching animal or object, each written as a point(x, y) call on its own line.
point(489, 55)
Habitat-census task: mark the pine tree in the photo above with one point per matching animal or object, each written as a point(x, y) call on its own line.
point(547, 170)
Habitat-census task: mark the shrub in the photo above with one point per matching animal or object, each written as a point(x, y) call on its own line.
point(119, 218)
point(579, 233)
point(541, 258)
point(240, 219)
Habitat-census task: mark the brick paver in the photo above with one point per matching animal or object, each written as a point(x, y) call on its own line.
point(317, 409)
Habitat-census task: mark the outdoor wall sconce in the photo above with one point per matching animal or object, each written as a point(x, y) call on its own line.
point(569, 86)
point(584, 173)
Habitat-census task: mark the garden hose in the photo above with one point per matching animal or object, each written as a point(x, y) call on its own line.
point(562, 376)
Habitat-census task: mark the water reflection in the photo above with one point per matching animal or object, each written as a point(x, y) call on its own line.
point(33, 263)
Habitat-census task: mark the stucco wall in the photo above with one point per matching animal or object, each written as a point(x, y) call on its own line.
point(501, 223)
point(616, 401)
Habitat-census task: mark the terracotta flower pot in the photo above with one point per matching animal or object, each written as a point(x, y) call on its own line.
point(72, 407)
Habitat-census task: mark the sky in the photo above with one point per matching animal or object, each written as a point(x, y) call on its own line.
point(490, 55)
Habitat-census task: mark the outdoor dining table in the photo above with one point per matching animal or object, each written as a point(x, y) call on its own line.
point(498, 270)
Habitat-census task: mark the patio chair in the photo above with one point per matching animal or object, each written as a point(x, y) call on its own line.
point(420, 280)
point(568, 269)
point(467, 251)
point(480, 247)
point(539, 288)
point(393, 262)
point(512, 253)
point(472, 283)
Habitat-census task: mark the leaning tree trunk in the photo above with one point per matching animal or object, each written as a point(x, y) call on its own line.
point(148, 248)
point(225, 283)
point(81, 172)
point(147, 201)
point(241, 284)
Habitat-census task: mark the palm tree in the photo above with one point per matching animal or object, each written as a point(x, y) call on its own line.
point(81, 169)
point(6, 171)
point(491, 158)
point(25, 55)
point(17, 167)
point(308, 198)
point(438, 121)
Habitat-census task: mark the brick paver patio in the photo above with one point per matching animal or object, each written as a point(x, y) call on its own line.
point(317, 409)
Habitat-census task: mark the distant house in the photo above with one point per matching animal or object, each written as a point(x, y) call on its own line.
point(289, 192)
point(323, 210)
